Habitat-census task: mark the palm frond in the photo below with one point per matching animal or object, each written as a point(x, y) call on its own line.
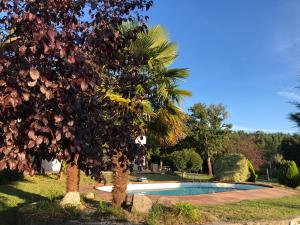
point(176, 73)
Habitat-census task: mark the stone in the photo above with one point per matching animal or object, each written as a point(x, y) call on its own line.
point(71, 199)
point(141, 204)
point(90, 196)
point(167, 201)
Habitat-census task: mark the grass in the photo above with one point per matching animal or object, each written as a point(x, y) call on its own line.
point(30, 189)
point(47, 188)
point(269, 209)
point(181, 213)
point(176, 176)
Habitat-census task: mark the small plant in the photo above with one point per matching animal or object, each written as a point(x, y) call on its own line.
point(187, 210)
point(253, 175)
point(289, 174)
point(181, 213)
point(106, 208)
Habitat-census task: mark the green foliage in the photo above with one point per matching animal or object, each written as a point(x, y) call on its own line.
point(195, 162)
point(180, 160)
point(290, 148)
point(187, 159)
point(187, 210)
point(289, 174)
point(106, 208)
point(9, 175)
point(253, 175)
point(231, 167)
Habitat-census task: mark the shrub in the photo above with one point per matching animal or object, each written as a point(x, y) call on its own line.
point(277, 159)
point(195, 161)
point(8, 176)
point(187, 159)
point(253, 175)
point(231, 167)
point(289, 174)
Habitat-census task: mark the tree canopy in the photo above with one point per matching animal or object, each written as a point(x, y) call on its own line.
point(58, 62)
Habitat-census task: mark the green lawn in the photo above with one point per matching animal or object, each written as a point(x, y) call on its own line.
point(14, 195)
point(269, 209)
point(31, 189)
point(172, 177)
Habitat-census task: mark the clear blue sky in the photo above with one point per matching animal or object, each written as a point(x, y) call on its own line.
point(243, 54)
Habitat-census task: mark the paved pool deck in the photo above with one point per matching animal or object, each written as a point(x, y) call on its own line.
point(213, 198)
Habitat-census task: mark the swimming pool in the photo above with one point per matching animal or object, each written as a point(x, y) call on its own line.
point(182, 189)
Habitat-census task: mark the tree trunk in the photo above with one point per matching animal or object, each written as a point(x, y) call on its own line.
point(209, 167)
point(160, 165)
point(120, 180)
point(72, 197)
point(73, 178)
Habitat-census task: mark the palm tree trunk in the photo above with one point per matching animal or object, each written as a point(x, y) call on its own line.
point(209, 167)
point(73, 178)
point(72, 196)
point(120, 180)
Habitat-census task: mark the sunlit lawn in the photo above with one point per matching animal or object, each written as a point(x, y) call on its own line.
point(177, 176)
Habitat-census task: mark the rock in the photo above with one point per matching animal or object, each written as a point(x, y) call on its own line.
point(90, 196)
point(167, 201)
point(71, 199)
point(141, 204)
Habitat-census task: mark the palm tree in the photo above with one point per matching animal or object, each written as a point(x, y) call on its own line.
point(168, 125)
point(162, 95)
point(296, 116)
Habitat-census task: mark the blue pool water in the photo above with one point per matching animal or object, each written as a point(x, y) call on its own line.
point(190, 190)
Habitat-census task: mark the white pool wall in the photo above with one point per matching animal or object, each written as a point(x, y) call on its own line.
point(155, 186)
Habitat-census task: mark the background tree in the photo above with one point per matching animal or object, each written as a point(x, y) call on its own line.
point(210, 130)
point(290, 149)
point(241, 142)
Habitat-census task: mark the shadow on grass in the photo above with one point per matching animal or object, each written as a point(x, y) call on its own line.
point(8, 213)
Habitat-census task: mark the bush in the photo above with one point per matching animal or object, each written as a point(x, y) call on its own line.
point(253, 175)
point(9, 175)
point(289, 174)
point(231, 167)
point(187, 160)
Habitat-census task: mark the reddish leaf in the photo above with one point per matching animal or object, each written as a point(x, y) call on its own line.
point(22, 50)
point(34, 73)
point(58, 118)
point(31, 83)
point(39, 140)
point(51, 34)
point(31, 144)
point(71, 59)
point(26, 97)
point(31, 134)
point(58, 135)
point(2, 83)
point(83, 85)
